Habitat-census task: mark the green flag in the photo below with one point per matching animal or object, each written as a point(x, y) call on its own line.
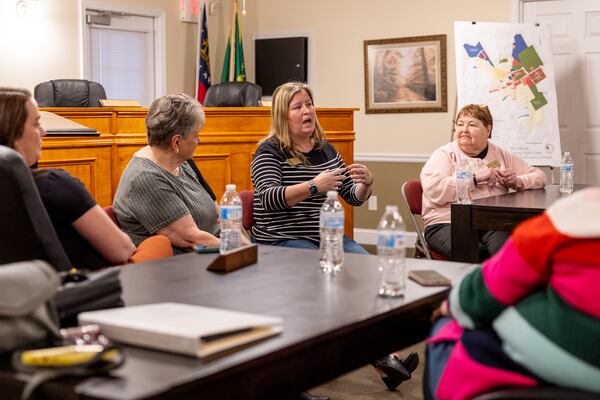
point(239, 67)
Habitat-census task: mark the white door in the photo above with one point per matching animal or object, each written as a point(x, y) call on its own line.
point(120, 54)
point(575, 31)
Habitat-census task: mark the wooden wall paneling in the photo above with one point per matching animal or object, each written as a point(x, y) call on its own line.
point(123, 149)
point(337, 119)
point(89, 160)
point(240, 121)
point(346, 149)
point(216, 169)
point(130, 120)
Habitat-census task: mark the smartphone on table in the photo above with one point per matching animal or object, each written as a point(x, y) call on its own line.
point(205, 249)
point(429, 277)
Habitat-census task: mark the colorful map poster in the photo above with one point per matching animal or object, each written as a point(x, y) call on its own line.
point(509, 68)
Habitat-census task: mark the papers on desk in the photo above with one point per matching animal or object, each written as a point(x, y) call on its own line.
point(56, 125)
point(182, 328)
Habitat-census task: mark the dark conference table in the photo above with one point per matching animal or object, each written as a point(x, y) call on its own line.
point(332, 325)
point(500, 213)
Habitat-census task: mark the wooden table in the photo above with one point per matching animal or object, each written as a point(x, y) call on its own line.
point(500, 213)
point(332, 325)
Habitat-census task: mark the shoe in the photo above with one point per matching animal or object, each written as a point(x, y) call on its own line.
point(396, 371)
point(308, 396)
point(411, 361)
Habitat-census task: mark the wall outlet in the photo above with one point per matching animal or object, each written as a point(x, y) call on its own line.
point(373, 203)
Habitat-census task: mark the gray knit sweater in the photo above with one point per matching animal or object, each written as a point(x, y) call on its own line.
point(149, 198)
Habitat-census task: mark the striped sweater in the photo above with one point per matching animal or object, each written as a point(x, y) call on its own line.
point(274, 220)
point(539, 295)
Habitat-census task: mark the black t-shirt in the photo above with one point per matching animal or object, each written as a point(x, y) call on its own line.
point(66, 199)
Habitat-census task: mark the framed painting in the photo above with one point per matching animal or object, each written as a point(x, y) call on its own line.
point(406, 75)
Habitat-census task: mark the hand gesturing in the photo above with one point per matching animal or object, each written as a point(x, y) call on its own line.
point(330, 179)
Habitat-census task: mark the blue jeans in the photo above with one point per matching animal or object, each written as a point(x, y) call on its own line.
point(436, 358)
point(350, 246)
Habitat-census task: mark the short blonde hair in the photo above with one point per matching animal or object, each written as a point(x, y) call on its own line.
point(280, 127)
point(477, 111)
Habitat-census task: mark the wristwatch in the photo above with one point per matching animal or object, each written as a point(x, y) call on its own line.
point(312, 188)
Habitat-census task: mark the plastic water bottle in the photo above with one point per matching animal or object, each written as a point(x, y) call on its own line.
point(231, 219)
point(332, 234)
point(464, 182)
point(391, 249)
point(566, 173)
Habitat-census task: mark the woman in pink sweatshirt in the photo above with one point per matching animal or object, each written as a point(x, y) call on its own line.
point(495, 171)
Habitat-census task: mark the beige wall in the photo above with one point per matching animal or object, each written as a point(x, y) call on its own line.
point(49, 47)
point(389, 177)
point(36, 49)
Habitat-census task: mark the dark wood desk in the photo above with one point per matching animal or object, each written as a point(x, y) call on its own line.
point(332, 325)
point(500, 213)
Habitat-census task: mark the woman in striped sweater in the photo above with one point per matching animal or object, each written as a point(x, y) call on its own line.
point(531, 314)
point(293, 169)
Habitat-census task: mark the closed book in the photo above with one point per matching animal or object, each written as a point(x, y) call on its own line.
point(182, 328)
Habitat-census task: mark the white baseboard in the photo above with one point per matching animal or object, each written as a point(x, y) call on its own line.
point(396, 158)
point(369, 236)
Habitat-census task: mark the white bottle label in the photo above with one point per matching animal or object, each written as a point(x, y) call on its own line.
point(466, 175)
point(231, 213)
point(566, 167)
point(332, 221)
point(391, 240)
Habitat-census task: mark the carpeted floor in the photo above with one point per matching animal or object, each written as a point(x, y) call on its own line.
point(364, 383)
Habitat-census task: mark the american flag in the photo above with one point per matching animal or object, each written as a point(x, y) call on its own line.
point(204, 62)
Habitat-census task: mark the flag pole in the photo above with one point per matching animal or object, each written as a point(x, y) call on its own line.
point(232, 41)
point(198, 50)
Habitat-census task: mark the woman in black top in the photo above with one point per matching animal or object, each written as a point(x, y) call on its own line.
point(87, 234)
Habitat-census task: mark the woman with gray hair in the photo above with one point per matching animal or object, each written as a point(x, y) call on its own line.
point(159, 191)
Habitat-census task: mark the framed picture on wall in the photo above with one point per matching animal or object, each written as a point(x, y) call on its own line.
point(406, 75)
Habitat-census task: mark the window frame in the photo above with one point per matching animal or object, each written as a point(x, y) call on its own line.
point(159, 38)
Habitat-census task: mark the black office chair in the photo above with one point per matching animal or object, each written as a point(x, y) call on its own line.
point(233, 94)
point(69, 93)
point(26, 232)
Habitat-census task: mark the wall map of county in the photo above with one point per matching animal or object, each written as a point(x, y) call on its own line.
point(526, 69)
point(508, 67)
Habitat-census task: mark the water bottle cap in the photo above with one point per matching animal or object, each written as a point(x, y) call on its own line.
point(391, 208)
point(332, 194)
point(230, 186)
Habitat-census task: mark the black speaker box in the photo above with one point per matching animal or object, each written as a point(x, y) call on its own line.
point(280, 60)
